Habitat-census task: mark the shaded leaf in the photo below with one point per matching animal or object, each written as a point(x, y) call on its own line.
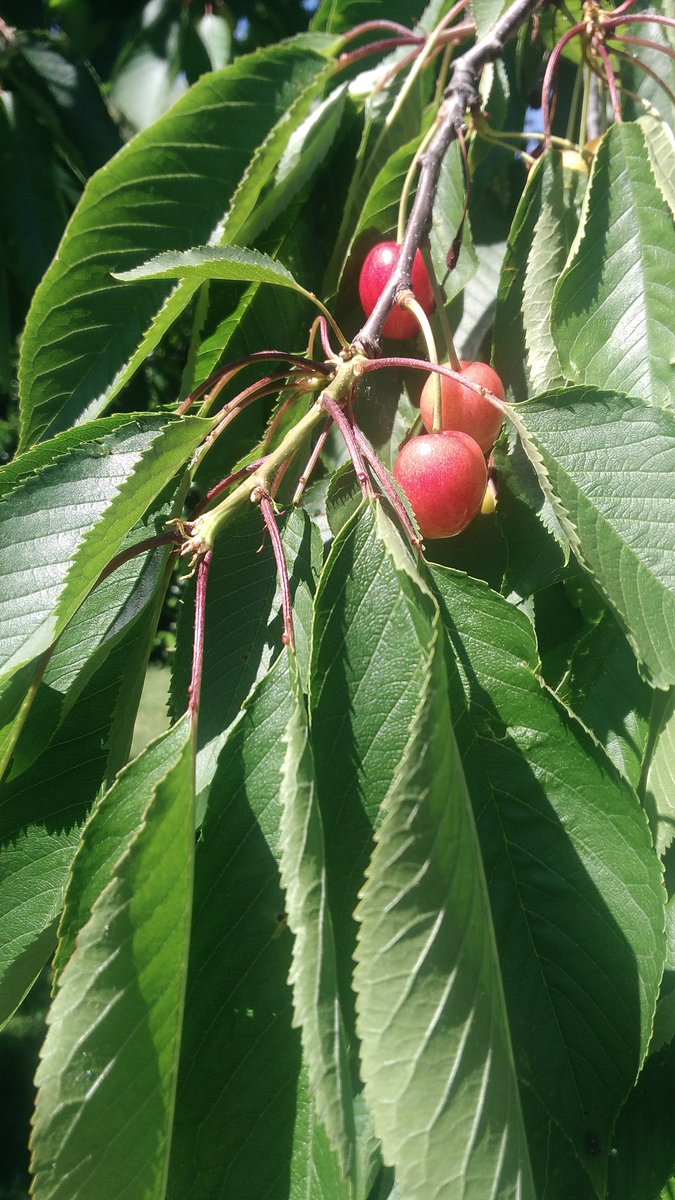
point(236, 1100)
point(577, 900)
point(111, 1053)
point(605, 462)
point(436, 1054)
point(644, 1157)
point(660, 783)
point(612, 307)
point(313, 974)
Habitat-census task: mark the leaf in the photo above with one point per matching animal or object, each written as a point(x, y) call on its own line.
point(485, 13)
point(362, 702)
point(313, 974)
point(215, 262)
point(537, 548)
point(86, 332)
point(148, 78)
point(575, 888)
point(479, 299)
point(65, 509)
point(660, 784)
point(214, 33)
point(447, 214)
point(31, 210)
point(542, 232)
point(660, 141)
point(236, 1100)
point(64, 91)
point(611, 316)
point(44, 804)
point(604, 690)
point(314, 1169)
point(436, 1054)
point(644, 1159)
point(110, 1057)
point(605, 462)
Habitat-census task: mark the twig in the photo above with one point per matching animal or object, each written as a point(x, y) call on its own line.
point(461, 94)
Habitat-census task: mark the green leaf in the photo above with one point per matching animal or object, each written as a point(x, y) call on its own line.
point(539, 242)
point(536, 557)
point(612, 307)
point(43, 805)
point(313, 974)
point(660, 141)
point(148, 79)
point(236, 1101)
point(605, 691)
point(436, 1053)
point(362, 701)
point(110, 1058)
point(644, 1157)
point(660, 784)
point(215, 262)
point(447, 214)
point(65, 93)
point(479, 300)
point(314, 1168)
point(485, 13)
point(86, 332)
point(575, 886)
point(605, 461)
point(32, 211)
point(65, 509)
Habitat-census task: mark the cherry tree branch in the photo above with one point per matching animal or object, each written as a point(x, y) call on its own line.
point(461, 94)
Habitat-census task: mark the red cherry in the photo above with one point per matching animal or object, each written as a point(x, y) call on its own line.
point(444, 477)
point(375, 275)
point(463, 409)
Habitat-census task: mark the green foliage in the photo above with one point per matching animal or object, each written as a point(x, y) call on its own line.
point(385, 913)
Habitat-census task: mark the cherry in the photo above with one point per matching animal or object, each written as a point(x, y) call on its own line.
point(375, 275)
point(444, 477)
point(463, 409)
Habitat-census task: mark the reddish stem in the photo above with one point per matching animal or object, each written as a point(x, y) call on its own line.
point(325, 340)
point(312, 461)
point(622, 8)
point(370, 26)
point(551, 68)
point(386, 484)
point(353, 56)
point(195, 688)
point(637, 62)
point(612, 23)
point(638, 41)
point(267, 510)
point(421, 364)
point(601, 49)
point(225, 484)
point(347, 430)
point(151, 543)
point(238, 364)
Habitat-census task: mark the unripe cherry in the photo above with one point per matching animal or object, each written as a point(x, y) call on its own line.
point(444, 477)
point(464, 409)
point(375, 275)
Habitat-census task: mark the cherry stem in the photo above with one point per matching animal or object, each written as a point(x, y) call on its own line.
point(267, 510)
point(387, 486)
point(353, 56)
point(325, 340)
point(151, 543)
point(462, 94)
point(312, 461)
point(346, 428)
point(195, 688)
point(370, 26)
point(225, 484)
point(232, 368)
point(656, 18)
point(642, 66)
point(638, 41)
point(439, 297)
point(623, 7)
point(601, 49)
point(549, 74)
point(419, 364)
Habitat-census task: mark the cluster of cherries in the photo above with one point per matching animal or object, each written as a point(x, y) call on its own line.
point(443, 474)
